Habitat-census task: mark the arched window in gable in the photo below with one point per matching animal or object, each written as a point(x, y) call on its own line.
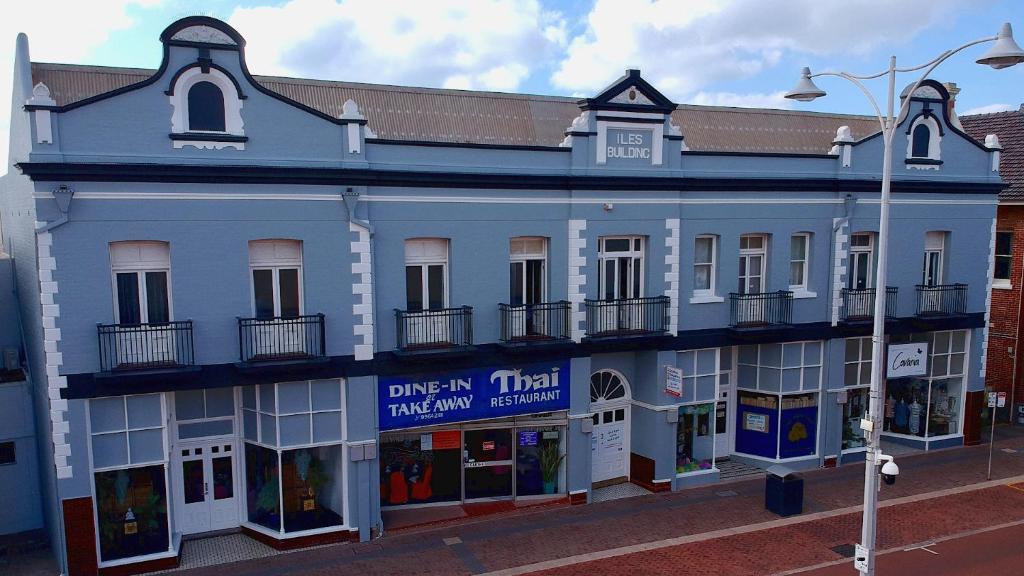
point(921, 139)
point(206, 108)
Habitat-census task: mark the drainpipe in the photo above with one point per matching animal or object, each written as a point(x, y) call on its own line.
point(350, 197)
point(62, 195)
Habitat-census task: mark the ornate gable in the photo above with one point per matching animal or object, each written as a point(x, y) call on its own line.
point(630, 93)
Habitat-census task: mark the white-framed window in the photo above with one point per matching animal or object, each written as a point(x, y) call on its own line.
point(206, 103)
point(620, 267)
point(862, 249)
point(857, 365)
point(930, 405)
point(1004, 258)
point(934, 248)
point(204, 413)
point(127, 431)
point(753, 253)
point(141, 277)
point(426, 274)
point(528, 270)
point(705, 253)
point(799, 261)
point(276, 273)
point(923, 139)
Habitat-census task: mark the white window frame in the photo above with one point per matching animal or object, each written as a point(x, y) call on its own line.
point(802, 290)
point(635, 256)
point(864, 351)
point(140, 268)
point(424, 263)
point(934, 142)
point(749, 252)
point(939, 253)
point(233, 124)
point(275, 265)
point(870, 251)
point(708, 295)
point(524, 256)
point(1003, 282)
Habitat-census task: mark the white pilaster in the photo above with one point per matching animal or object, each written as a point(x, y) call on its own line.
point(577, 279)
point(54, 359)
point(672, 272)
point(988, 296)
point(839, 267)
point(362, 294)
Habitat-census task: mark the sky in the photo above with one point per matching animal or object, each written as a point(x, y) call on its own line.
point(717, 52)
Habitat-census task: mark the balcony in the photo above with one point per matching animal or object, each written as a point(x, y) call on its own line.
point(125, 347)
point(534, 323)
point(434, 330)
point(281, 339)
point(627, 317)
point(762, 310)
point(942, 300)
point(859, 305)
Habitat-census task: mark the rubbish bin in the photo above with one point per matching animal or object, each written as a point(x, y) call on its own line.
point(783, 491)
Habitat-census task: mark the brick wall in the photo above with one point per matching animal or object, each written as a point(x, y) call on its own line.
point(1003, 316)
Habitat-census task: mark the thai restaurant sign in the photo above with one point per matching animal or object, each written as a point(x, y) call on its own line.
point(472, 394)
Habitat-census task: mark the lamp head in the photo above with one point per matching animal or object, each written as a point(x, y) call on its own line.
point(1005, 52)
point(805, 90)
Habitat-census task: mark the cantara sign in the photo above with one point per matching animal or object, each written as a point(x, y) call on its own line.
point(473, 394)
point(907, 360)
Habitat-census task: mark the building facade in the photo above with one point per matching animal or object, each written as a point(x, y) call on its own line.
point(1003, 366)
point(290, 307)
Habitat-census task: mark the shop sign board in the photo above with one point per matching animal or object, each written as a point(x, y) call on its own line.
point(473, 394)
point(907, 360)
point(1001, 400)
point(674, 381)
point(528, 438)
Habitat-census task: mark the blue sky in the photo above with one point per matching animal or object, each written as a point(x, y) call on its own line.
point(724, 52)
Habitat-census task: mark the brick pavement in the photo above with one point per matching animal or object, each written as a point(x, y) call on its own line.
point(527, 537)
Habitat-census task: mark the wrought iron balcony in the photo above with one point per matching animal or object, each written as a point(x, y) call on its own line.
point(942, 300)
point(627, 317)
point(440, 329)
point(277, 339)
point(145, 346)
point(859, 305)
point(543, 322)
point(762, 310)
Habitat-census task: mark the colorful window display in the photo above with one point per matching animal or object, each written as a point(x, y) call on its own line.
point(131, 512)
point(929, 406)
point(420, 467)
point(695, 447)
point(262, 489)
point(310, 488)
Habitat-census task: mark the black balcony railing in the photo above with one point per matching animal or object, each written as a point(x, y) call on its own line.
point(296, 338)
point(534, 322)
point(764, 309)
point(145, 346)
point(434, 329)
point(942, 300)
point(859, 305)
point(627, 316)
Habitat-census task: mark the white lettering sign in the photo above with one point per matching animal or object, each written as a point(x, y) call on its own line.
point(628, 145)
point(673, 381)
point(907, 360)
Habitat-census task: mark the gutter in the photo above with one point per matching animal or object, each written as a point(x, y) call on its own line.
point(62, 196)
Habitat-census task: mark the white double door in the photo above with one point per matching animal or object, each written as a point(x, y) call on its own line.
point(205, 474)
point(609, 442)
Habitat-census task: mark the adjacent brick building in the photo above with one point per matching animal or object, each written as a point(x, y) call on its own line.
point(1004, 369)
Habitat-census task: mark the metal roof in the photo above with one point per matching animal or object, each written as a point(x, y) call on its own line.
point(1009, 127)
point(464, 116)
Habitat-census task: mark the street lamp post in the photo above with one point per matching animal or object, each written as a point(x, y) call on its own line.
point(1004, 53)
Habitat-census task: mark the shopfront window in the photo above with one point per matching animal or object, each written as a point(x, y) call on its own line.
point(294, 457)
point(854, 409)
point(129, 464)
point(695, 448)
point(540, 459)
point(488, 463)
point(929, 406)
point(420, 467)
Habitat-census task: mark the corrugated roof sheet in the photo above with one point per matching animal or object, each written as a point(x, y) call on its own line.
point(462, 116)
point(1009, 126)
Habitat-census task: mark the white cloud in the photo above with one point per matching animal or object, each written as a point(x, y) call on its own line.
point(750, 100)
point(483, 44)
point(987, 109)
point(58, 31)
point(685, 46)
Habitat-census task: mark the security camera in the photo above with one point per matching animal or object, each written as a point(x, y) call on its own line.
point(889, 469)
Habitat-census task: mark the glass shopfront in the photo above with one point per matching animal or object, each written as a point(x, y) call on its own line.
point(695, 438)
point(516, 458)
point(929, 406)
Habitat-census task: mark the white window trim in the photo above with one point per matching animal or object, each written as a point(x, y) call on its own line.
point(870, 251)
point(233, 124)
point(861, 359)
point(934, 142)
point(603, 256)
point(275, 265)
point(941, 252)
point(140, 268)
point(763, 252)
point(525, 257)
point(423, 263)
point(802, 290)
point(1003, 283)
point(709, 295)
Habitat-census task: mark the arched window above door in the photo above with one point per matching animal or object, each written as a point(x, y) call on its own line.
point(607, 385)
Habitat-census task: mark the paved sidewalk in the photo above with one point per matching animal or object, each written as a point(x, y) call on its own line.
point(830, 519)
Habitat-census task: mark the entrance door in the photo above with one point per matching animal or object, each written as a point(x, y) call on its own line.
point(723, 425)
point(488, 463)
point(751, 310)
point(609, 442)
point(206, 487)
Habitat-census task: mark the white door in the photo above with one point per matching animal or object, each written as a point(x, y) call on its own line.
point(751, 279)
point(428, 321)
point(609, 442)
point(205, 478)
point(722, 423)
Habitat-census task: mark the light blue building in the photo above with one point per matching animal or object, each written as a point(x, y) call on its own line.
point(293, 307)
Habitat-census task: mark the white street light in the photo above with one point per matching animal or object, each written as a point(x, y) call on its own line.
point(1004, 53)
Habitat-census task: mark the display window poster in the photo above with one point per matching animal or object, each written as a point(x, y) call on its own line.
point(755, 422)
point(472, 394)
point(674, 381)
point(528, 438)
point(756, 430)
point(447, 440)
point(799, 432)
